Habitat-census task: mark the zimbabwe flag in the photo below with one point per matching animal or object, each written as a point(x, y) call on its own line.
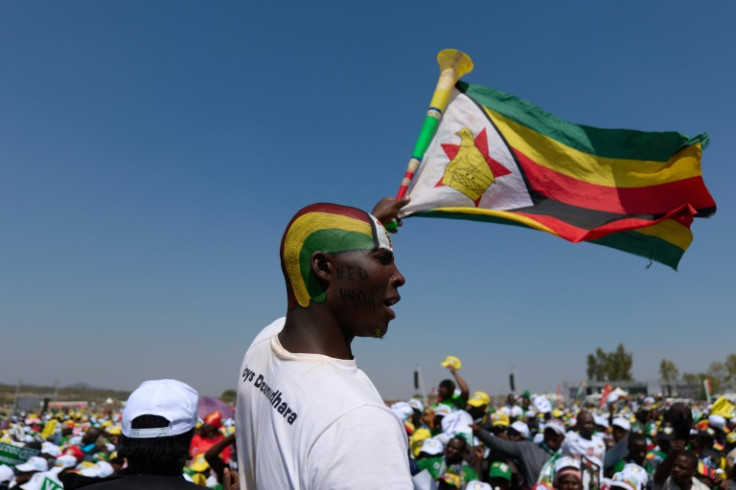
point(500, 159)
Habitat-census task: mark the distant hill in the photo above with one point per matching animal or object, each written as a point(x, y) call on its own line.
point(74, 392)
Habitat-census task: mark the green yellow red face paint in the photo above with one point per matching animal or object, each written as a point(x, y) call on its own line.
point(328, 228)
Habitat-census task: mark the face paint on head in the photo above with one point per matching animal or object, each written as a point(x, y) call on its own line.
point(328, 228)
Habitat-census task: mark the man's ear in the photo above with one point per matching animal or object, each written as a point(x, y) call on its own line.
point(321, 266)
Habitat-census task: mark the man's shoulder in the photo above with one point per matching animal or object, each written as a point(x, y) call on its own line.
point(269, 331)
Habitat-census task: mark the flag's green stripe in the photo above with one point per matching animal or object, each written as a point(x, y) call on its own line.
point(470, 217)
point(611, 143)
point(648, 246)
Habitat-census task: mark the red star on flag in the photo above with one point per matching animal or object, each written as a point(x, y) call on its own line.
point(481, 142)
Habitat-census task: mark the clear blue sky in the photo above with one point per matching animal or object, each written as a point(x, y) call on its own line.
point(151, 154)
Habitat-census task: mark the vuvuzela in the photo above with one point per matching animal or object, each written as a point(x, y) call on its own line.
point(453, 65)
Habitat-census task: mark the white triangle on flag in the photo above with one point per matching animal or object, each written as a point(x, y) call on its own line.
point(505, 193)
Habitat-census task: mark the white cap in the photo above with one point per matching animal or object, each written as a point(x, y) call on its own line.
point(35, 463)
point(101, 469)
point(556, 425)
point(622, 423)
point(402, 410)
point(567, 462)
point(432, 446)
point(6, 473)
point(168, 398)
point(542, 404)
point(631, 477)
point(416, 404)
point(716, 421)
point(478, 485)
point(521, 428)
point(50, 449)
point(443, 410)
point(66, 461)
point(602, 421)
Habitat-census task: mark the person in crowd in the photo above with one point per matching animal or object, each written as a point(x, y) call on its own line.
point(214, 453)
point(327, 426)
point(209, 434)
point(450, 467)
point(568, 474)
point(499, 476)
point(620, 428)
point(158, 425)
point(446, 390)
point(531, 456)
point(683, 473)
point(511, 409)
point(25, 471)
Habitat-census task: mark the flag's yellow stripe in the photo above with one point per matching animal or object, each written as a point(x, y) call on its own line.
point(593, 169)
point(671, 231)
point(500, 214)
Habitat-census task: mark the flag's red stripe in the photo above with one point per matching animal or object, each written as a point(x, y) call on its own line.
point(655, 199)
point(576, 234)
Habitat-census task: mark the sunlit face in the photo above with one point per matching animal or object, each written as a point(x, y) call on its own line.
point(683, 470)
point(638, 451)
point(455, 450)
point(568, 481)
point(363, 288)
point(586, 424)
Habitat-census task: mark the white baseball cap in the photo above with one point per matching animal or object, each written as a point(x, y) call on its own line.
point(521, 428)
point(622, 423)
point(35, 463)
point(50, 449)
point(66, 461)
point(432, 446)
point(168, 398)
point(6, 473)
point(542, 404)
point(101, 469)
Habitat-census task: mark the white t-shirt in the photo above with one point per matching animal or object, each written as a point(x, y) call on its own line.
point(594, 448)
point(309, 421)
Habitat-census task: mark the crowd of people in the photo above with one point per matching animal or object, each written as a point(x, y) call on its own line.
point(643, 443)
point(158, 440)
point(457, 442)
point(308, 418)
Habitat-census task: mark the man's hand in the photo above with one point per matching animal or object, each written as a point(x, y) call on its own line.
point(230, 480)
point(387, 209)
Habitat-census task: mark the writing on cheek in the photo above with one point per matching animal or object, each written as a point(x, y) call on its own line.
point(359, 298)
point(350, 273)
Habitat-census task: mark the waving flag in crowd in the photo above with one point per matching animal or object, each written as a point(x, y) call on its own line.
point(500, 159)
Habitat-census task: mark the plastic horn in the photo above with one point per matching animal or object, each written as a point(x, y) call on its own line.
point(453, 65)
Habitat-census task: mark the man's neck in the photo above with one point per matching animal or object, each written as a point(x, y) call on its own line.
point(313, 331)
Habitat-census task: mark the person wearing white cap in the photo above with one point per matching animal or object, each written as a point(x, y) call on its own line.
point(531, 456)
point(568, 474)
point(25, 471)
point(307, 417)
point(158, 424)
point(511, 409)
point(620, 428)
point(518, 431)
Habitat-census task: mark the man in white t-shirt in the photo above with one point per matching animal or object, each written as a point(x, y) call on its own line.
point(585, 443)
point(307, 417)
